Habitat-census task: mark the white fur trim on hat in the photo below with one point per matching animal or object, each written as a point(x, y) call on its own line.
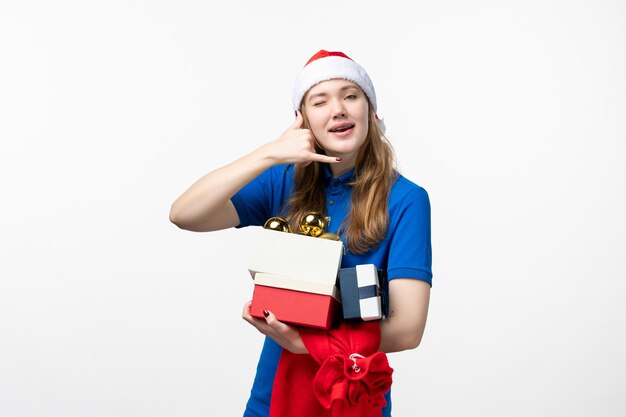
point(329, 68)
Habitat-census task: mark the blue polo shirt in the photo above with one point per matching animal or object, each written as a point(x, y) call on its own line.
point(404, 253)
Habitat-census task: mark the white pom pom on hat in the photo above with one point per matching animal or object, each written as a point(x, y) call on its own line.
point(326, 65)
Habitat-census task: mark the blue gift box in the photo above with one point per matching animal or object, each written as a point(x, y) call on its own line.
point(361, 294)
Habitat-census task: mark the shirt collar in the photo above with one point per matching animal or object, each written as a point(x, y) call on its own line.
point(344, 178)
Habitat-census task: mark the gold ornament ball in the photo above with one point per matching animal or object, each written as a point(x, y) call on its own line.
point(313, 224)
point(277, 223)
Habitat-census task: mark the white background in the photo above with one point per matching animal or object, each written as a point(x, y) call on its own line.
point(510, 114)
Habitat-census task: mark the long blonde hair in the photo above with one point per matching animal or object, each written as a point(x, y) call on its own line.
point(367, 221)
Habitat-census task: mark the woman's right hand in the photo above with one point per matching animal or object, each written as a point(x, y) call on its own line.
point(296, 146)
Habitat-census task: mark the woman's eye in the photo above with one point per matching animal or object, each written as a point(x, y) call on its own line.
point(351, 97)
point(318, 103)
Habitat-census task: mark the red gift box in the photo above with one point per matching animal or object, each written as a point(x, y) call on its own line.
point(295, 307)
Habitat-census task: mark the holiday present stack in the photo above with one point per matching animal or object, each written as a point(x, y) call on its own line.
point(295, 275)
point(361, 293)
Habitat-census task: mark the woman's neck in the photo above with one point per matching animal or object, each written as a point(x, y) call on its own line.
point(340, 168)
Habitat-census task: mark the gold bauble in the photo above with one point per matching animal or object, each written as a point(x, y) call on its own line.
point(313, 223)
point(277, 223)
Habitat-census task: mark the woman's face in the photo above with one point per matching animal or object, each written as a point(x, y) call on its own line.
point(337, 112)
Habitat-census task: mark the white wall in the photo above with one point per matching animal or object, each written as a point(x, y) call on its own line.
point(510, 114)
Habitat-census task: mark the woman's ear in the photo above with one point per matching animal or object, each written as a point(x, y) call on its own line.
point(381, 124)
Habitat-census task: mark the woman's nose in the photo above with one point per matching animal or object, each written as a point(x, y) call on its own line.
point(338, 109)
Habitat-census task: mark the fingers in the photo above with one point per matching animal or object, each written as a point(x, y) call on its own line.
point(274, 325)
point(286, 336)
point(298, 146)
point(283, 334)
point(325, 158)
point(297, 124)
point(312, 154)
point(246, 313)
point(270, 322)
point(270, 325)
point(320, 158)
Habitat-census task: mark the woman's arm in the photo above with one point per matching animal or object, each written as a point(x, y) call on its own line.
point(401, 330)
point(408, 309)
point(206, 205)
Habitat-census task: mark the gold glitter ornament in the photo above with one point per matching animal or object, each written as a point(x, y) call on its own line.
point(277, 223)
point(313, 224)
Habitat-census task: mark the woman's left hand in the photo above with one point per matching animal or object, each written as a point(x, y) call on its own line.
point(283, 334)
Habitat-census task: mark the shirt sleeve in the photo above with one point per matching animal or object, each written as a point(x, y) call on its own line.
point(262, 197)
point(410, 252)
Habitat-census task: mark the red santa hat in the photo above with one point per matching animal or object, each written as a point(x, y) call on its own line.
point(326, 65)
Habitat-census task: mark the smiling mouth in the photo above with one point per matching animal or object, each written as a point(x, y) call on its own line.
point(341, 128)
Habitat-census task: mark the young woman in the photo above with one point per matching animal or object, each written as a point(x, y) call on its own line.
point(333, 159)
